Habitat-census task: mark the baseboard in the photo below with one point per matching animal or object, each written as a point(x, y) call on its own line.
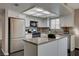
point(17, 51)
point(6, 54)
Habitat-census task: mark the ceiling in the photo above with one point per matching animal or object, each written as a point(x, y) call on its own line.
point(24, 6)
point(21, 6)
point(74, 5)
point(51, 7)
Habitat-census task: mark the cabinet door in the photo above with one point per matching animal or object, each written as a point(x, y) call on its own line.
point(72, 46)
point(48, 23)
point(27, 22)
point(62, 47)
point(39, 23)
point(48, 49)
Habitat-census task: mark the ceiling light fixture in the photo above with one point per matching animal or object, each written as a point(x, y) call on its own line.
point(38, 9)
point(46, 12)
point(39, 12)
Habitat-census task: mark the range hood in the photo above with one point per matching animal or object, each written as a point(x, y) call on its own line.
point(39, 12)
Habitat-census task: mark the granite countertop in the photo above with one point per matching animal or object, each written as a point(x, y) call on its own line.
point(43, 40)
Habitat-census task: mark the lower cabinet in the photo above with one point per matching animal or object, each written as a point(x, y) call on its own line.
point(49, 49)
point(53, 48)
point(62, 47)
point(72, 43)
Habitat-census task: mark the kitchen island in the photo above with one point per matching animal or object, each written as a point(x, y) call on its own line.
point(43, 46)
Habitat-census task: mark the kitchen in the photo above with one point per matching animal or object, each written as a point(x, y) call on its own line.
point(49, 28)
point(40, 29)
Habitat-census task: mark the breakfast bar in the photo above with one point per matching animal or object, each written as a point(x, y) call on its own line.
point(43, 46)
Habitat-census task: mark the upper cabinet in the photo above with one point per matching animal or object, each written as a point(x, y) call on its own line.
point(66, 16)
point(67, 21)
point(41, 22)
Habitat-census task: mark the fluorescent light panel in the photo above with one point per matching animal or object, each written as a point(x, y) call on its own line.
point(46, 12)
point(38, 9)
point(38, 12)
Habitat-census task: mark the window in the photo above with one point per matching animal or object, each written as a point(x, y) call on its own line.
point(55, 23)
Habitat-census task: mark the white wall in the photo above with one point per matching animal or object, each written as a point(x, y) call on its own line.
point(15, 14)
point(5, 32)
point(1, 27)
point(1, 18)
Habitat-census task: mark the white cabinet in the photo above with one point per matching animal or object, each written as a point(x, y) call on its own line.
point(49, 49)
point(53, 48)
point(62, 47)
point(45, 23)
point(48, 23)
point(27, 22)
point(67, 21)
point(39, 23)
point(42, 23)
point(67, 16)
point(30, 49)
point(72, 43)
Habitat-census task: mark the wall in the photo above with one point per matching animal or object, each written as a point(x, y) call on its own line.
point(2, 16)
point(15, 14)
point(5, 33)
point(77, 27)
point(0, 27)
